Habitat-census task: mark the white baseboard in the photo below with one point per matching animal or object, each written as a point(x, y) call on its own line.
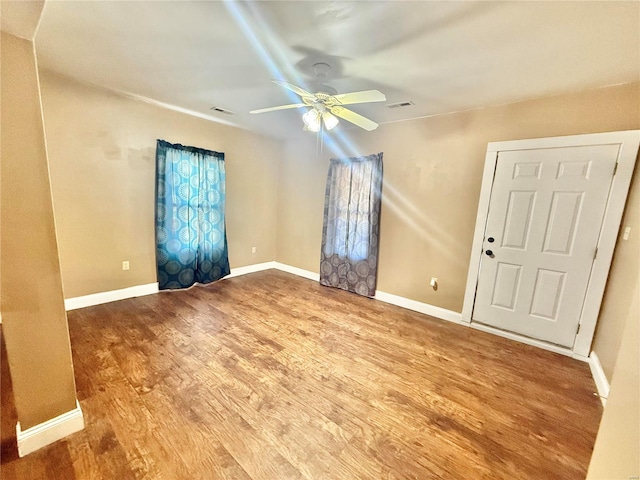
point(403, 302)
point(426, 308)
point(602, 384)
point(148, 289)
point(258, 267)
point(111, 296)
point(297, 271)
point(50, 431)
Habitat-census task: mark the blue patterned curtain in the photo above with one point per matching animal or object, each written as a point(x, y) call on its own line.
point(191, 240)
point(349, 253)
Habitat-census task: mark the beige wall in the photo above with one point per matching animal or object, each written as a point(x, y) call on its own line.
point(616, 454)
point(102, 157)
point(624, 273)
point(33, 316)
point(432, 180)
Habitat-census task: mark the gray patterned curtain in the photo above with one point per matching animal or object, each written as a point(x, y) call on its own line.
point(349, 256)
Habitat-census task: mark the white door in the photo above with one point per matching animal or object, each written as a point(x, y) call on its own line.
point(545, 215)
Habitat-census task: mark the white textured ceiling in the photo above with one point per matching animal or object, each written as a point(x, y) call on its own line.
point(443, 56)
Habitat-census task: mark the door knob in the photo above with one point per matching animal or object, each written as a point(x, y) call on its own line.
point(490, 240)
point(489, 252)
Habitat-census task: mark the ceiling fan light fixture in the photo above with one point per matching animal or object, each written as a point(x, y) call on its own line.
point(327, 107)
point(330, 120)
point(312, 120)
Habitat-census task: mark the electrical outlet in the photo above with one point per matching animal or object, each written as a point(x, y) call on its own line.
point(627, 232)
point(125, 265)
point(254, 249)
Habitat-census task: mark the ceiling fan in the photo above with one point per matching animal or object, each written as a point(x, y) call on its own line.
point(326, 104)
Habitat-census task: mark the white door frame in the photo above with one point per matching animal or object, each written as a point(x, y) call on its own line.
point(629, 142)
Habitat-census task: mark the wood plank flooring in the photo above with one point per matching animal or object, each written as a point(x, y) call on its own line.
point(271, 376)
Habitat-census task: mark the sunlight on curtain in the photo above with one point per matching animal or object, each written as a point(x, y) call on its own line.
point(349, 254)
point(191, 241)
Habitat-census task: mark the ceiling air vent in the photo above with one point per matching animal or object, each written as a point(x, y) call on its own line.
point(222, 110)
point(400, 104)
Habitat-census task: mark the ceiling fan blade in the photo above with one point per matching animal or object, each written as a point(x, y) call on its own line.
point(293, 88)
point(354, 118)
point(365, 96)
point(281, 107)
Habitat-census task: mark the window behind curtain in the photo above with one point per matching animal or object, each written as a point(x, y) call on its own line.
point(191, 240)
point(349, 253)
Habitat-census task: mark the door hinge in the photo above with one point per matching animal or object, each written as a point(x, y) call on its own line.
point(595, 253)
point(578, 329)
point(615, 168)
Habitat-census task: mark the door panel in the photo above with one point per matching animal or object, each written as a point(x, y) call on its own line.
point(506, 286)
point(547, 293)
point(561, 225)
point(545, 215)
point(518, 219)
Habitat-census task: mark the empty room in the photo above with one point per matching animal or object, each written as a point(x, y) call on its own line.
point(270, 240)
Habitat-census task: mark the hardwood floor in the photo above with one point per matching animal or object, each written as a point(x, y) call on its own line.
point(270, 376)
